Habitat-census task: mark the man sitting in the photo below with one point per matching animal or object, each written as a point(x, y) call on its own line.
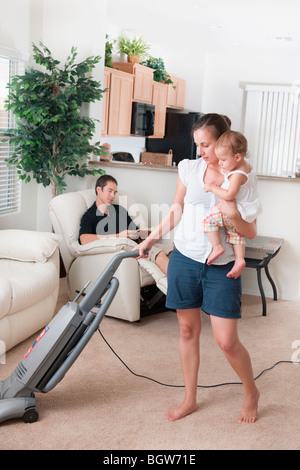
point(107, 220)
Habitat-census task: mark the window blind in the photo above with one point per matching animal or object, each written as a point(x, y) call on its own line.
point(10, 186)
point(272, 127)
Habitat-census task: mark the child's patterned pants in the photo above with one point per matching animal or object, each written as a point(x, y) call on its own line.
point(217, 219)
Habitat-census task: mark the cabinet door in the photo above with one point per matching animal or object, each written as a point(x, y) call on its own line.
point(159, 99)
point(143, 84)
point(105, 101)
point(120, 104)
point(176, 97)
point(143, 77)
point(180, 95)
point(172, 92)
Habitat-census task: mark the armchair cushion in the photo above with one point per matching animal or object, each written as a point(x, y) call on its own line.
point(27, 246)
point(29, 283)
point(25, 284)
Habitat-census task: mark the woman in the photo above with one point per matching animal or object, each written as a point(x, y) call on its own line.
point(192, 284)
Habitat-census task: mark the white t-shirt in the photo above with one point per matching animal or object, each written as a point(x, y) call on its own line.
point(189, 237)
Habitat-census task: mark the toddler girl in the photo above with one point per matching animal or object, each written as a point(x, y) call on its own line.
point(240, 184)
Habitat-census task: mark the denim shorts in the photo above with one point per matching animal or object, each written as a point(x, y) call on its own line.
point(192, 284)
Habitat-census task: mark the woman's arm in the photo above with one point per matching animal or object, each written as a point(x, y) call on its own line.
point(168, 222)
point(246, 229)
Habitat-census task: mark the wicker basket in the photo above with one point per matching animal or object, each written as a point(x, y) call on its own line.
point(164, 159)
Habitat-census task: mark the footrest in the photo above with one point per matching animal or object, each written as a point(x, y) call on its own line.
point(159, 277)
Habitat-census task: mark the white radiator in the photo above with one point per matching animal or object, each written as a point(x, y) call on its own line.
point(272, 128)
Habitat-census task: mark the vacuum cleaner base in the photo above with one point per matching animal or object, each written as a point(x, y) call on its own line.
point(58, 346)
point(18, 407)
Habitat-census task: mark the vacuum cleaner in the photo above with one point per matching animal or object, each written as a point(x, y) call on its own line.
point(57, 347)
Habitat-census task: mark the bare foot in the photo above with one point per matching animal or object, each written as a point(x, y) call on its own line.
point(237, 269)
point(249, 410)
point(216, 251)
point(180, 412)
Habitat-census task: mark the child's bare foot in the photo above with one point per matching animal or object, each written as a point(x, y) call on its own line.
point(216, 251)
point(249, 410)
point(180, 412)
point(237, 269)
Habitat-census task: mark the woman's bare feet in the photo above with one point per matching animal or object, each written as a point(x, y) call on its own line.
point(249, 410)
point(183, 410)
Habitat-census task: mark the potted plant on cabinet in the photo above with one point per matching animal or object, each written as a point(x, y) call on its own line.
point(108, 51)
point(133, 48)
point(52, 137)
point(160, 74)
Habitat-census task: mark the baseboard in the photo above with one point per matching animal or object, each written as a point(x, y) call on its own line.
point(270, 295)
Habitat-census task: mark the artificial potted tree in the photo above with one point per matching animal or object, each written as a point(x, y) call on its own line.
point(52, 138)
point(134, 48)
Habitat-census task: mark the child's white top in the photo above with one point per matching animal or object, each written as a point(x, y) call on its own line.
point(247, 198)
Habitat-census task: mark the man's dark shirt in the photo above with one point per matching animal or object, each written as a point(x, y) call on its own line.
point(96, 223)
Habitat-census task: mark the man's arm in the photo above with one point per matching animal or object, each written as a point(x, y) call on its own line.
point(87, 238)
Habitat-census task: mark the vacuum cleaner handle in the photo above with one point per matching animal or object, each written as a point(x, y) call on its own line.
point(106, 283)
point(101, 284)
point(82, 342)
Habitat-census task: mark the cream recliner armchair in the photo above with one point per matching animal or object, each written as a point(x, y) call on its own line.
point(85, 263)
point(29, 283)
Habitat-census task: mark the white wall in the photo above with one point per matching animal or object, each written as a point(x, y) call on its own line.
point(213, 85)
point(15, 27)
point(179, 62)
point(15, 40)
point(225, 74)
point(279, 219)
point(59, 25)
point(222, 93)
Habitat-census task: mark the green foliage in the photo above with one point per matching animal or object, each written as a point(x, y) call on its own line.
point(160, 74)
point(137, 47)
point(108, 52)
point(52, 137)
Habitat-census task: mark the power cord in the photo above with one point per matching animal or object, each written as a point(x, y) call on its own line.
point(182, 386)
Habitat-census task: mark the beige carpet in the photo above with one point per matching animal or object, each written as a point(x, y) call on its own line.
point(101, 405)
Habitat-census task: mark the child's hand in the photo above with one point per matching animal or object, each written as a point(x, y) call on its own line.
point(207, 187)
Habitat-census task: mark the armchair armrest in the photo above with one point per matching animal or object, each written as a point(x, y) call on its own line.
point(27, 245)
point(105, 245)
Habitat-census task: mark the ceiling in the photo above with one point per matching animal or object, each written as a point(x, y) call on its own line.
point(258, 26)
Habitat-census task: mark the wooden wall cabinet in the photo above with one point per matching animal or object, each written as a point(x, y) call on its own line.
point(143, 79)
point(129, 82)
point(159, 99)
point(176, 97)
point(117, 106)
point(105, 101)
